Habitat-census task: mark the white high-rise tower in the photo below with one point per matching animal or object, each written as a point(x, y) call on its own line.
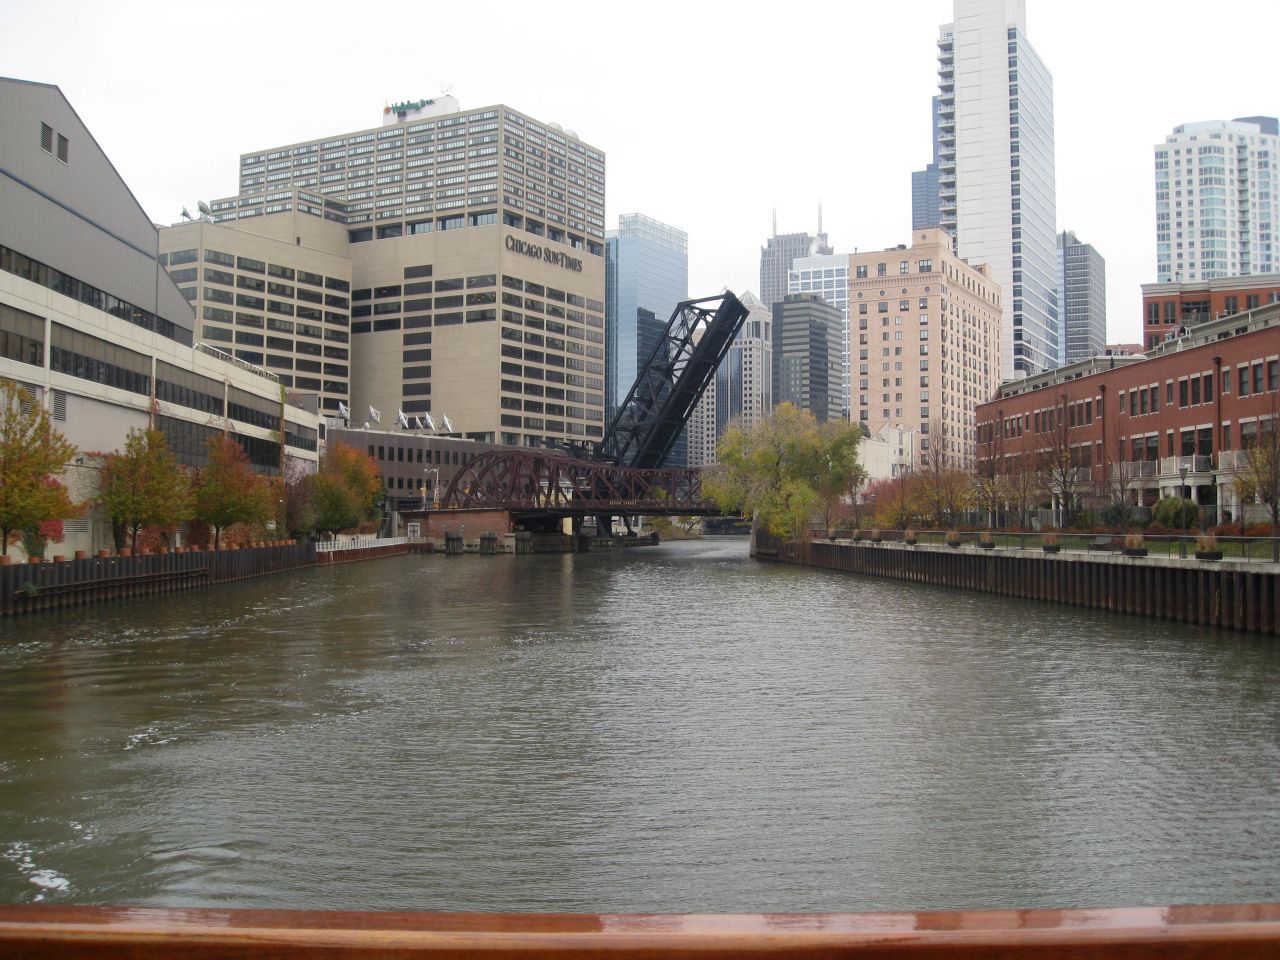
point(1217, 183)
point(995, 139)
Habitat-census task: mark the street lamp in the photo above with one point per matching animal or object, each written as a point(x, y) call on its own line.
point(1182, 544)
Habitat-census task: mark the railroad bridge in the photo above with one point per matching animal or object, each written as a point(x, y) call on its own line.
point(625, 473)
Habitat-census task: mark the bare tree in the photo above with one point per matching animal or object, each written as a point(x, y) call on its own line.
point(1062, 460)
point(1257, 472)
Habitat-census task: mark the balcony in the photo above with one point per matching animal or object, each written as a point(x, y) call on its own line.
point(1172, 466)
point(1140, 470)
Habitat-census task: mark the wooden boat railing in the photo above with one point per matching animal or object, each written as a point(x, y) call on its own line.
point(1212, 932)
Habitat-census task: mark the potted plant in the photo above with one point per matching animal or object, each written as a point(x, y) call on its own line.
point(1207, 547)
point(953, 538)
point(909, 537)
point(876, 536)
point(1049, 543)
point(1134, 545)
point(987, 540)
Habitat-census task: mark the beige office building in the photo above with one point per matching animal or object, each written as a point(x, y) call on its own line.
point(476, 249)
point(928, 343)
point(274, 292)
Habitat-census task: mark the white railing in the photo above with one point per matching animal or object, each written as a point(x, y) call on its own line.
point(358, 543)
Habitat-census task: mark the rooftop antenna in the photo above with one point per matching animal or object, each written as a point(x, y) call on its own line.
point(775, 219)
point(819, 216)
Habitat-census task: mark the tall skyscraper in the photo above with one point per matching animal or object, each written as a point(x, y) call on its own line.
point(806, 355)
point(1217, 187)
point(926, 210)
point(475, 242)
point(780, 252)
point(647, 274)
point(997, 188)
point(1082, 299)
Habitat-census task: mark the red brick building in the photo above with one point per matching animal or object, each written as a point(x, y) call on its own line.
point(1131, 423)
point(1168, 306)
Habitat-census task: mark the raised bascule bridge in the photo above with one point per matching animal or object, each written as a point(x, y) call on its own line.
point(624, 474)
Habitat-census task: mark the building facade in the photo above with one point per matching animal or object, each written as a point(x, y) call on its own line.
point(282, 302)
point(926, 206)
point(806, 355)
point(1217, 200)
point(1171, 309)
point(647, 265)
point(93, 328)
point(928, 347)
point(828, 276)
point(779, 253)
point(476, 241)
point(1129, 426)
point(997, 180)
point(1082, 299)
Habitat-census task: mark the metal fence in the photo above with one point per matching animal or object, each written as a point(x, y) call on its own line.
point(358, 543)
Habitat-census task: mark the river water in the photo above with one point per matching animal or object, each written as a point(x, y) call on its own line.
point(670, 729)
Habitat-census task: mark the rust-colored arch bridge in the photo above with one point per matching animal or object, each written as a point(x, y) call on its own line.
point(547, 483)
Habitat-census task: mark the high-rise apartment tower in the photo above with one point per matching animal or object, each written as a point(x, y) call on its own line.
point(997, 192)
point(1218, 200)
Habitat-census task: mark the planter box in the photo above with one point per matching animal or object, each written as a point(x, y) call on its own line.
point(986, 546)
point(1135, 551)
point(1050, 547)
point(911, 542)
point(1208, 554)
point(953, 543)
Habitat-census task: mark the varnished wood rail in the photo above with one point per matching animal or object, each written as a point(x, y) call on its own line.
point(1219, 932)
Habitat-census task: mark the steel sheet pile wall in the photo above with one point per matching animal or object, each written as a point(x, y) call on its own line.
point(29, 588)
point(1235, 595)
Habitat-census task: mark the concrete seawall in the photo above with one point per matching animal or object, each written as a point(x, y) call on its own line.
point(1236, 595)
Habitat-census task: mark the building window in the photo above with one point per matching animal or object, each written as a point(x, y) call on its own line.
point(46, 138)
point(64, 151)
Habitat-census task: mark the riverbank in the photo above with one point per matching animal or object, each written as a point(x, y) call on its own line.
point(1235, 595)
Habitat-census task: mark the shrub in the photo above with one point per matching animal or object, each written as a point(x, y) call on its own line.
point(1206, 541)
point(1175, 513)
point(1050, 539)
point(1133, 541)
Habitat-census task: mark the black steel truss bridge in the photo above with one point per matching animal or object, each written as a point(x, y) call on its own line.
point(624, 474)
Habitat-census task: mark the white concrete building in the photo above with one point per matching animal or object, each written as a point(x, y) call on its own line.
point(997, 186)
point(1217, 199)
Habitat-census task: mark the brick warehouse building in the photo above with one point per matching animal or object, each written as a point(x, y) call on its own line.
point(1167, 307)
point(1127, 425)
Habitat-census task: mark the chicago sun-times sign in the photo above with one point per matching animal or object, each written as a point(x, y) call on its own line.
point(544, 253)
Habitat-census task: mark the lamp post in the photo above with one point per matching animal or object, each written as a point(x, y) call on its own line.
point(1182, 543)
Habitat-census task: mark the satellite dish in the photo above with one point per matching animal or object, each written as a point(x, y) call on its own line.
point(204, 208)
point(448, 427)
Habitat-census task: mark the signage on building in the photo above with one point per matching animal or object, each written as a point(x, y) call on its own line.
point(407, 106)
point(546, 254)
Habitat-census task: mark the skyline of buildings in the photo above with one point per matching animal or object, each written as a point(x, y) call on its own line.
point(778, 254)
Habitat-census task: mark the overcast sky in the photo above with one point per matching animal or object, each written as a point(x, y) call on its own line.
point(710, 114)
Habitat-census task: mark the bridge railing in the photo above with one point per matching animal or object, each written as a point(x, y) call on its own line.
point(357, 543)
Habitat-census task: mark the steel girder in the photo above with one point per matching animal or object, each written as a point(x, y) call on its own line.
point(671, 382)
point(546, 482)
